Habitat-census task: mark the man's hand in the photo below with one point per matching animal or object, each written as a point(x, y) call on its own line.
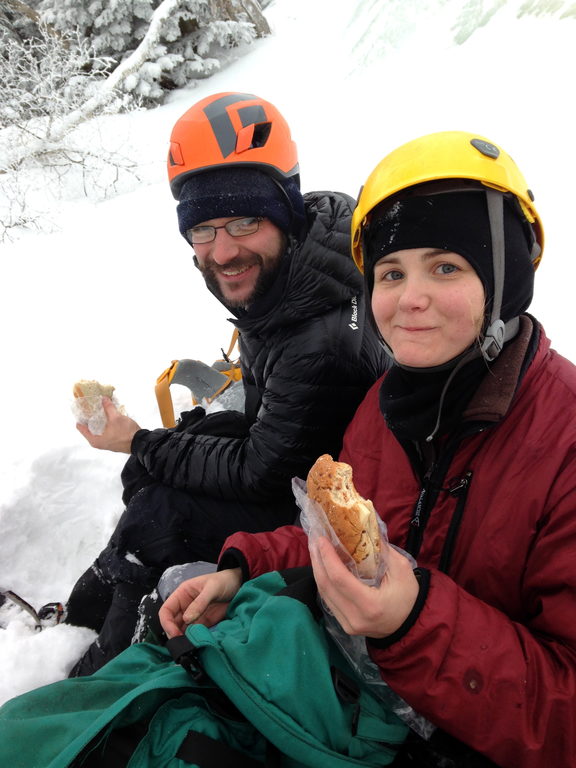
point(117, 435)
point(360, 609)
point(201, 600)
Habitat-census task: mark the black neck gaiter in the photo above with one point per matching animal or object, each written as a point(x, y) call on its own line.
point(410, 400)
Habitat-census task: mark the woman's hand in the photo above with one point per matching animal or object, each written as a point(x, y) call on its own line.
point(360, 609)
point(201, 600)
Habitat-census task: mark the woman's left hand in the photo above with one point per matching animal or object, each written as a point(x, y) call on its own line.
point(360, 609)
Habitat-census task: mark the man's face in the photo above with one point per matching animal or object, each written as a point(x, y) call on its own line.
point(239, 269)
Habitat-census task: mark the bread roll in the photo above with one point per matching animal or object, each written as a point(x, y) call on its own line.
point(352, 517)
point(92, 388)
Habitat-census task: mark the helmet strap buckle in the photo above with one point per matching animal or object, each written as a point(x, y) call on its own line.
point(493, 340)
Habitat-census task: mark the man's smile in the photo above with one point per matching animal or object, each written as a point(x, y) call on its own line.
point(235, 271)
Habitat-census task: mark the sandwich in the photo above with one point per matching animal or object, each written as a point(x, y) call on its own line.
point(353, 518)
point(92, 388)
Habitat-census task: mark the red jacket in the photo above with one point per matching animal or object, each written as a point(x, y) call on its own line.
point(491, 656)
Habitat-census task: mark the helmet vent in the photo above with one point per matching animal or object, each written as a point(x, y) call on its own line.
point(175, 154)
point(261, 134)
point(252, 136)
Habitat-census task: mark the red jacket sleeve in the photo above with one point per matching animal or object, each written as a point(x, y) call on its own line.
point(286, 547)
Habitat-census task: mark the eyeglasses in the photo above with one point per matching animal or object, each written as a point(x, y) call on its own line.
point(206, 233)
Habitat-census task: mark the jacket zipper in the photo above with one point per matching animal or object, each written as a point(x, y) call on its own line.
point(432, 484)
point(459, 489)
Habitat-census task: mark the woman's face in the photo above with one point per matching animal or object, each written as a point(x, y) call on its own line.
point(428, 305)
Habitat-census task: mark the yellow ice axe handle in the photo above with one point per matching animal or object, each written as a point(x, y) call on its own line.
point(163, 396)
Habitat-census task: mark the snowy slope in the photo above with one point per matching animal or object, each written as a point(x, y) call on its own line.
point(112, 293)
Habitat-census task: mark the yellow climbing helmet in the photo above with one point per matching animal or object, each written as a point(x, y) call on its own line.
point(441, 157)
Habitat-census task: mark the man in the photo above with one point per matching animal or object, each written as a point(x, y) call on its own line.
point(280, 263)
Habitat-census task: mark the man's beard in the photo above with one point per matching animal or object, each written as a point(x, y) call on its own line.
point(264, 281)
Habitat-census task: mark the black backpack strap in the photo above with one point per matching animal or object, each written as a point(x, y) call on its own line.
point(186, 654)
point(300, 585)
point(205, 752)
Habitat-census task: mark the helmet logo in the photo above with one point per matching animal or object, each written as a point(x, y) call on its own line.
point(222, 126)
point(486, 148)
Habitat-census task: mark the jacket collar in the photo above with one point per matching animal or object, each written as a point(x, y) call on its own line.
point(493, 398)
point(317, 273)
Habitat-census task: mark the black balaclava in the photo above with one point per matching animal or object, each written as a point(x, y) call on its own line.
point(457, 222)
point(419, 402)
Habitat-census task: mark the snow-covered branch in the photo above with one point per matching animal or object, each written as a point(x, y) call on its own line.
point(128, 53)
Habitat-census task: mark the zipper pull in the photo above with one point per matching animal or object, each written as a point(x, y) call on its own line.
point(459, 484)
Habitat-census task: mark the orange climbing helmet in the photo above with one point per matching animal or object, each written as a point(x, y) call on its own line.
point(231, 129)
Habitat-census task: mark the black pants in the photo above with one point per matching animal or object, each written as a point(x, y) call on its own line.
point(160, 527)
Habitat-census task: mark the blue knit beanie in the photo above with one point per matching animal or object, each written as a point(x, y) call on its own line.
point(241, 191)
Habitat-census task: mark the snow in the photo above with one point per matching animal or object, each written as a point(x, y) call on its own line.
point(108, 290)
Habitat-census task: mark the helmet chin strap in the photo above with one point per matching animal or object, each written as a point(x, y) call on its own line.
point(498, 332)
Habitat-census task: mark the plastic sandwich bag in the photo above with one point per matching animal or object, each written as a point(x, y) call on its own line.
point(90, 411)
point(315, 524)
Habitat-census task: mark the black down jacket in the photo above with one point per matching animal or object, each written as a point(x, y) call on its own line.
point(307, 358)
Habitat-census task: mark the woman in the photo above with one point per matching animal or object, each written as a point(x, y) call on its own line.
point(467, 449)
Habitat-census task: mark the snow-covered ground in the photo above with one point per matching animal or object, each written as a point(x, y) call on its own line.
point(111, 293)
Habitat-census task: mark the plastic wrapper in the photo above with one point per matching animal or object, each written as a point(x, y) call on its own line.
point(90, 411)
point(315, 524)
